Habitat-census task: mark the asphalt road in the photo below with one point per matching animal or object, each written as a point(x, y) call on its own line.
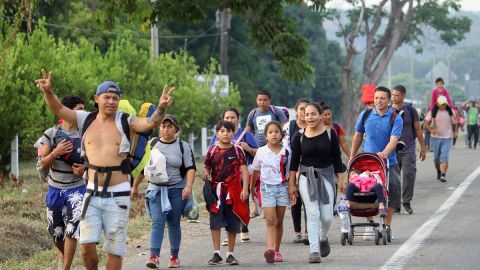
point(449, 240)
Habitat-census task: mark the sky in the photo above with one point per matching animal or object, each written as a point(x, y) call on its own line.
point(467, 5)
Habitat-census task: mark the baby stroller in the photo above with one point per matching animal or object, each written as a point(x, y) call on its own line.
point(363, 203)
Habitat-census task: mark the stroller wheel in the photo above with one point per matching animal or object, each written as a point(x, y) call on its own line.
point(350, 237)
point(378, 234)
point(384, 237)
point(344, 238)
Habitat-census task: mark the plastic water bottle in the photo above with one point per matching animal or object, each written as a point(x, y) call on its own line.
point(343, 213)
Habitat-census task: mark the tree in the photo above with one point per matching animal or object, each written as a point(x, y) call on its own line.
point(386, 29)
point(269, 27)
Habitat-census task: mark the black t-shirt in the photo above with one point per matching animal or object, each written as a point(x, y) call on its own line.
point(318, 151)
point(292, 129)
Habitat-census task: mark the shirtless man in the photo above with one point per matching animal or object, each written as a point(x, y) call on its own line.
point(106, 147)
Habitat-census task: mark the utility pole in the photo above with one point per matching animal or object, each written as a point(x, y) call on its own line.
point(154, 37)
point(223, 20)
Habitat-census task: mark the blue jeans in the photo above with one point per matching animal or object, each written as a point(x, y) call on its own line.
point(172, 218)
point(317, 213)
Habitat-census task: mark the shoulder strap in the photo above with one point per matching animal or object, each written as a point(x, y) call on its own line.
point(365, 116)
point(290, 128)
point(329, 133)
point(90, 117)
point(239, 139)
point(273, 110)
point(126, 125)
point(180, 142)
point(153, 142)
point(252, 112)
point(392, 118)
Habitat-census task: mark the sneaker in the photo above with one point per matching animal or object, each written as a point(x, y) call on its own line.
point(231, 260)
point(173, 262)
point(225, 242)
point(269, 255)
point(396, 210)
point(305, 240)
point(314, 258)
point(389, 233)
point(298, 238)
point(153, 262)
point(215, 260)
point(244, 237)
point(443, 179)
point(278, 257)
point(408, 208)
point(369, 234)
point(324, 248)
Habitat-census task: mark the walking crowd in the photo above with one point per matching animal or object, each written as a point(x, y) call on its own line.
point(273, 162)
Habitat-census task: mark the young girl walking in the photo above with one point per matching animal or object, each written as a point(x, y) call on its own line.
point(272, 163)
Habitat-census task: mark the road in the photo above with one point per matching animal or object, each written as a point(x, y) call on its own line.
point(448, 240)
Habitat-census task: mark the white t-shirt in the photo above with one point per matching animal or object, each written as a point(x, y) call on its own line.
point(273, 167)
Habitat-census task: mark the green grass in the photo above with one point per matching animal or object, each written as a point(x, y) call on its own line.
point(25, 241)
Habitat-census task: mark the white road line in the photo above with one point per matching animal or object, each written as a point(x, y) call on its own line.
point(408, 249)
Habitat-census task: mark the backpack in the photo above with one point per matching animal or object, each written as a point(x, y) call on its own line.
point(254, 111)
point(138, 141)
point(75, 155)
point(402, 114)
point(156, 169)
point(154, 141)
point(369, 111)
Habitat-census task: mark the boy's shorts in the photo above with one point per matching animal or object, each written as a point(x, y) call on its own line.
point(63, 206)
point(111, 215)
point(274, 195)
point(225, 218)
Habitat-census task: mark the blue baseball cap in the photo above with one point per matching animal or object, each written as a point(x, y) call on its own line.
point(108, 87)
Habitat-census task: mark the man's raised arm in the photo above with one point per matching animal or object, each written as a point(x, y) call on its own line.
point(52, 101)
point(140, 125)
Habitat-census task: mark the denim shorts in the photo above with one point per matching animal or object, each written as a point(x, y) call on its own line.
point(111, 215)
point(441, 149)
point(274, 195)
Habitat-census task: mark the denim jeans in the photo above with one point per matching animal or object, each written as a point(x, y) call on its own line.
point(315, 213)
point(172, 218)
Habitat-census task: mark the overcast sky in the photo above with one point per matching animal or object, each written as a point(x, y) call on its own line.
point(467, 5)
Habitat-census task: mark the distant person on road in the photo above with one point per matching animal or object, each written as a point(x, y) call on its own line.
point(316, 155)
point(441, 138)
point(175, 192)
point(259, 117)
point(244, 139)
point(272, 164)
point(406, 157)
point(383, 128)
point(226, 169)
point(471, 107)
point(65, 182)
point(105, 142)
point(290, 129)
point(328, 122)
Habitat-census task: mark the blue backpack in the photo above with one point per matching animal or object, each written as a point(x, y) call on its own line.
point(75, 155)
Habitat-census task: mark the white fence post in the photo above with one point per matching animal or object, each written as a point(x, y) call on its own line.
point(14, 156)
point(204, 141)
point(191, 141)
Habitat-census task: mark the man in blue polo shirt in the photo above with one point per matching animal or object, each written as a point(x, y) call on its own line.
point(382, 132)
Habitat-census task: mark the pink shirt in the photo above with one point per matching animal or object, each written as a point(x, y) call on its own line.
point(443, 122)
point(436, 93)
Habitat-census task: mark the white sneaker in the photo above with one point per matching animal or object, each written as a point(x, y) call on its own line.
point(370, 234)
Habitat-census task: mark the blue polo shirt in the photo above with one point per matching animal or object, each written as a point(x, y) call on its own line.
point(378, 132)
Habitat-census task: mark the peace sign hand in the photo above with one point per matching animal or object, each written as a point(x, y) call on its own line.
point(166, 98)
point(45, 84)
